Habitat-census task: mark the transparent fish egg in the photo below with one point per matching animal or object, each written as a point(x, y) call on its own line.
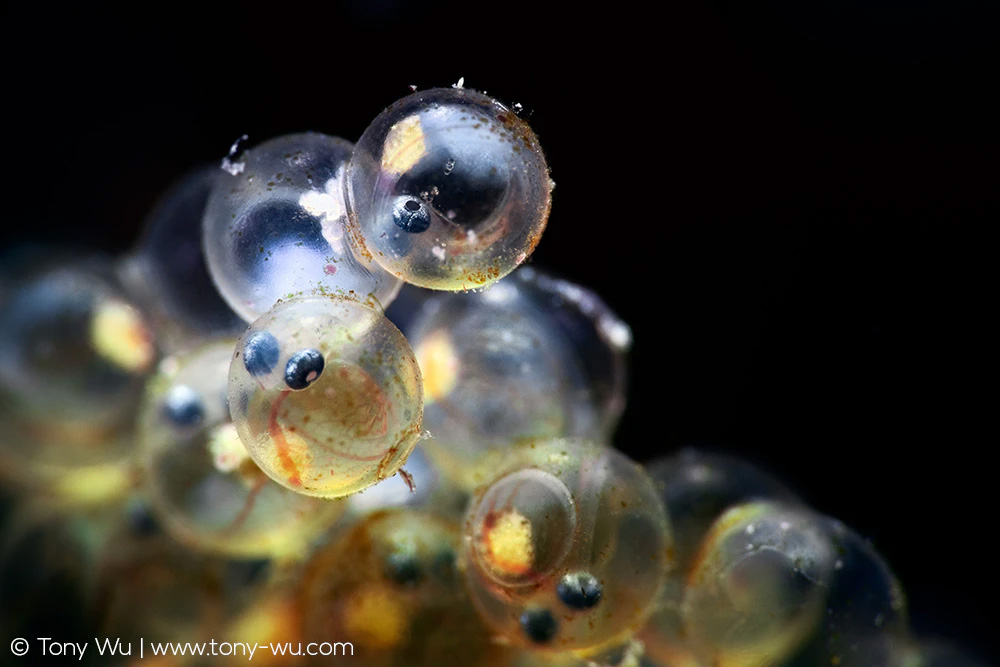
point(518, 361)
point(389, 585)
point(167, 273)
point(865, 618)
point(326, 395)
point(74, 353)
point(71, 343)
point(206, 489)
point(567, 548)
point(757, 588)
point(275, 227)
point(448, 189)
point(697, 488)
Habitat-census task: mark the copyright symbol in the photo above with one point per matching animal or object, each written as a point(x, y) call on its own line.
point(19, 647)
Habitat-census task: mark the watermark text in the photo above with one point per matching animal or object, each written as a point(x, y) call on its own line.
point(141, 648)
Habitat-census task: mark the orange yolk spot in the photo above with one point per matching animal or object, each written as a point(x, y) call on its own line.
point(509, 548)
point(118, 334)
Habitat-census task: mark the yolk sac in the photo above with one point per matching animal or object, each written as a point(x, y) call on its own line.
point(411, 216)
point(260, 354)
point(579, 590)
point(303, 369)
point(539, 625)
point(524, 525)
point(182, 406)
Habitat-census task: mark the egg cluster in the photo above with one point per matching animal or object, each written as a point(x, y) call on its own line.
point(320, 402)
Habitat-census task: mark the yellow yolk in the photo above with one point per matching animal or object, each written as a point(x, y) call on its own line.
point(226, 448)
point(273, 621)
point(438, 366)
point(376, 617)
point(120, 336)
point(509, 548)
point(94, 484)
point(404, 146)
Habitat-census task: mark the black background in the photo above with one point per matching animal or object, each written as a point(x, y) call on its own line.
point(787, 204)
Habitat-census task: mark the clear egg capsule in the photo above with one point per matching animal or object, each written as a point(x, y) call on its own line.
point(448, 189)
point(389, 584)
point(566, 549)
point(758, 585)
point(167, 271)
point(204, 486)
point(531, 357)
point(73, 346)
point(326, 396)
point(696, 488)
point(275, 227)
point(74, 353)
point(865, 619)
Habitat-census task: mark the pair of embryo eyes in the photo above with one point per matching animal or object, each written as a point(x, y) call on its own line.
point(260, 356)
point(577, 590)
